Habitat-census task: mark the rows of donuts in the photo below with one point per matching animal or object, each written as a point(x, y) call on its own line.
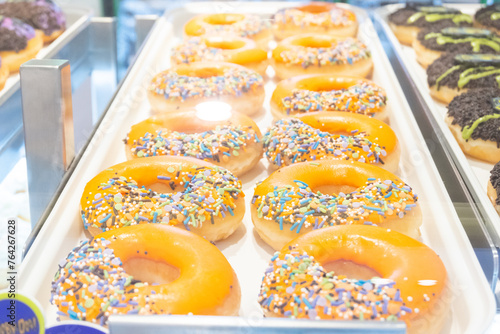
point(25, 26)
point(331, 197)
point(461, 55)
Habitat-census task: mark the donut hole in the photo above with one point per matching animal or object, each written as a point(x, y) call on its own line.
point(152, 272)
point(224, 19)
point(219, 43)
point(312, 42)
point(351, 269)
point(164, 188)
point(333, 189)
point(314, 9)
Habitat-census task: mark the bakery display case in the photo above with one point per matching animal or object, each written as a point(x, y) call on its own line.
point(459, 223)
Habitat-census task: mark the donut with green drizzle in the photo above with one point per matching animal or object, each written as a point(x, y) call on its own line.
point(494, 186)
point(453, 74)
point(474, 119)
point(489, 17)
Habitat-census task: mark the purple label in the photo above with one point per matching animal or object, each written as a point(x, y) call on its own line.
point(17, 315)
point(75, 327)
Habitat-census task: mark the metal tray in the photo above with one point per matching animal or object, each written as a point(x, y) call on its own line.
point(475, 172)
point(472, 304)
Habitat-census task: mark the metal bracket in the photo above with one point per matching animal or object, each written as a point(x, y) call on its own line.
point(48, 128)
point(143, 25)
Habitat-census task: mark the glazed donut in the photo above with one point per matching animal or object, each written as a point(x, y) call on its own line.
point(144, 269)
point(494, 186)
point(42, 15)
point(319, 92)
point(236, 50)
point(184, 86)
point(410, 282)
point(19, 42)
point(232, 141)
point(407, 21)
point(180, 191)
point(4, 74)
point(474, 120)
point(321, 54)
point(314, 17)
point(429, 45)
point(332, 135)
point(310, 195)
point(448, 77)
point(240, 25)
point(488, 18)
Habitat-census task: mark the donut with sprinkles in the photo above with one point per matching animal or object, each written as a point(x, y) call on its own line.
point(314, 17)
point(319, 92)
point(184, 192)
point(321, 54)
point(185, 86)
point(332, 135)
point(308, 196)
point(144, 269)
point(232, 142)
point(411, 283)
point(236, 50)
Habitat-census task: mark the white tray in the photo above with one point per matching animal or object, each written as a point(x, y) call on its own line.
point(76, 19)
point(473, 306)
point(476, 171)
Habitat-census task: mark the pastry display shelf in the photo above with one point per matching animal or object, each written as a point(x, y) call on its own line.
point(474, 174)
point(472, 304)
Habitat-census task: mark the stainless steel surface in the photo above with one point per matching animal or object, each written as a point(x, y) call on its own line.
point(143, 25)
point(48, 128)
point(174, 324)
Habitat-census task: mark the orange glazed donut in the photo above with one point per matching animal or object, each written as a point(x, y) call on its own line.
point(332, 135)
point(315, 17)
point(320, 92)
point(413, 286)
point(321, 54)
point(311, 195)
point(184, 86)
point(240, 25)
point(232, 141)
point(144, 269)
point(236, 50)
point(190, 193)
point(4, 74)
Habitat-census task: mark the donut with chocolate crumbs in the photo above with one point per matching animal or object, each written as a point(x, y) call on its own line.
point(430, 44)
point(407, 21)
point(447, 77)
point(488, 18)
point(474, 119)
point(494, 186)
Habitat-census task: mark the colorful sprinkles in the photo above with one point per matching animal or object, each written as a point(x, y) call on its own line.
point(343, 52)
point(215, 145)
point(248, 27)
point(91, 285)
point(291, 140)
point(334, 18)
point(296, 286)
point(363, 98)
point(232, 82)
point(297, 206)
point(196, 49)
point(199, 195)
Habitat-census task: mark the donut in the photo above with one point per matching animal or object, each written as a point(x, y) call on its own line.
point(184, 86)
point(236, 50)
point(332, 135)
point(321, 54)
point(312, 195)
point(230, 24)
point(407, 21)
point(488, 18)
point(19, 42)
point(184, 192)
point(429, 45)
point(314, 17)
point(453, 74)
point(379, 275)
point(320, 92)
point(474, 119)
point(4, 74)
point(232, 141)
point(494, 186)
point(144, 269)
point(43, 15)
